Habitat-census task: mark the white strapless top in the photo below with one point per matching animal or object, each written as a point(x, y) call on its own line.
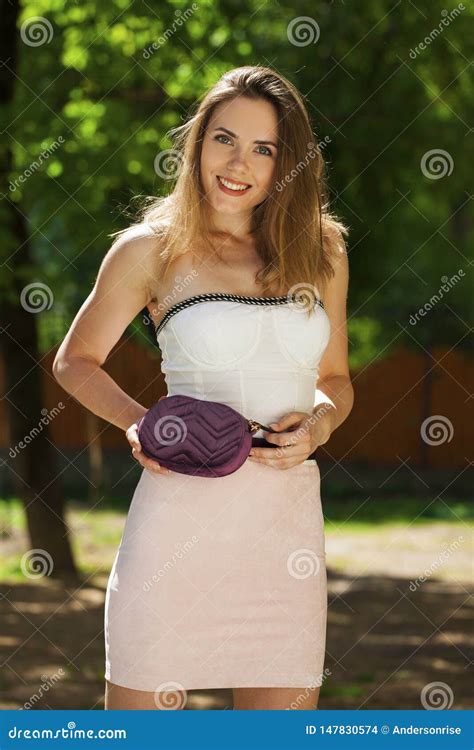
point(259, 355)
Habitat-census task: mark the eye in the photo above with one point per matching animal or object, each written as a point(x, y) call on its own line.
point(221, 136)
point(268, 152)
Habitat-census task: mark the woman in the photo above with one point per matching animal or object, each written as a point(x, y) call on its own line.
point(221, 582)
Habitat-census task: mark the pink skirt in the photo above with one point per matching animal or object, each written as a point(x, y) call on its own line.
point(220, 583)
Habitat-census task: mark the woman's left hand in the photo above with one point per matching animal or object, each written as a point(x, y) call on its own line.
point(293, 446)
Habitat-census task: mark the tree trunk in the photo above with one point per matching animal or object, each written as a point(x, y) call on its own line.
point(32, 456)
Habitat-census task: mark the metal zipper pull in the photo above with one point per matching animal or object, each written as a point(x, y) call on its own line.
point(254, 426)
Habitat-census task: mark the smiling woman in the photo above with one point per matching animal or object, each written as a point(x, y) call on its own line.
point(221, 582)
point(251, 130)
point(239, 165)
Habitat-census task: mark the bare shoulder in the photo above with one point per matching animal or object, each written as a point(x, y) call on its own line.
point(122, 288)
point(136, 254)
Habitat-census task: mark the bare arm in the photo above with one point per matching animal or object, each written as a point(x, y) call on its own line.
point(121, 290)
point(334, 395)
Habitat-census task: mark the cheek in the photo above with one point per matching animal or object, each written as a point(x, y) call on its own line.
point(209, 156)
point(207, 166)
point(266, 173)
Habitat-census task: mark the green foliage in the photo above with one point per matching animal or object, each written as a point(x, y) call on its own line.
point(93, 105)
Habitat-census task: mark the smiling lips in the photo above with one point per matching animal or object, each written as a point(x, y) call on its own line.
point(232, 187)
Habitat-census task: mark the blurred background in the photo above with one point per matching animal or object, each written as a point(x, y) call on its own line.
point(89, 92)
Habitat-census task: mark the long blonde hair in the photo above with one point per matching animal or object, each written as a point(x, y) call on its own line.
point(296, 236)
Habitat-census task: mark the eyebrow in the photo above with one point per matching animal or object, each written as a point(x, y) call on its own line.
point(261, 143)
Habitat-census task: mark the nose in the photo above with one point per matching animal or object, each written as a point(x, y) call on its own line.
point(237, 163)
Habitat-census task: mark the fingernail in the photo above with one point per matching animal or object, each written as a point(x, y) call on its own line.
point(273, 425)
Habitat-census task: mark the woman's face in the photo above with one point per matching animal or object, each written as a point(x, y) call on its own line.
point(240, 146)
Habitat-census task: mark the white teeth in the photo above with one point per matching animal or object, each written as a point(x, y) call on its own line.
point(232, 185)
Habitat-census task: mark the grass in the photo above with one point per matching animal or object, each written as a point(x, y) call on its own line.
point(96, 533)
point(369, 514)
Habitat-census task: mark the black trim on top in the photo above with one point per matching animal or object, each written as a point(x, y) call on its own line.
point(209, 296)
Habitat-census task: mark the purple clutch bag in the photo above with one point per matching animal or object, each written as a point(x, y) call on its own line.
point(192, 436)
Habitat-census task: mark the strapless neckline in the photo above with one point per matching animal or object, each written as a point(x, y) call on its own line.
point(227, 296)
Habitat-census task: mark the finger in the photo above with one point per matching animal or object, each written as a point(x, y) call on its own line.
point(274, 455)
point(155, 467)
point(275, 464)
point(286, 438)
point(150, 463)
point(289, 419)
point(132, 437)
point(284, 447)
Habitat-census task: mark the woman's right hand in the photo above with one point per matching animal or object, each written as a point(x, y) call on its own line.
point(137, 453)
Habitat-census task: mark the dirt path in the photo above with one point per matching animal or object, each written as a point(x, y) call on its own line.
point(385, 642)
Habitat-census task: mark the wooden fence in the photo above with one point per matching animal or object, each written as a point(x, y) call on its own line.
point(393, 398)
